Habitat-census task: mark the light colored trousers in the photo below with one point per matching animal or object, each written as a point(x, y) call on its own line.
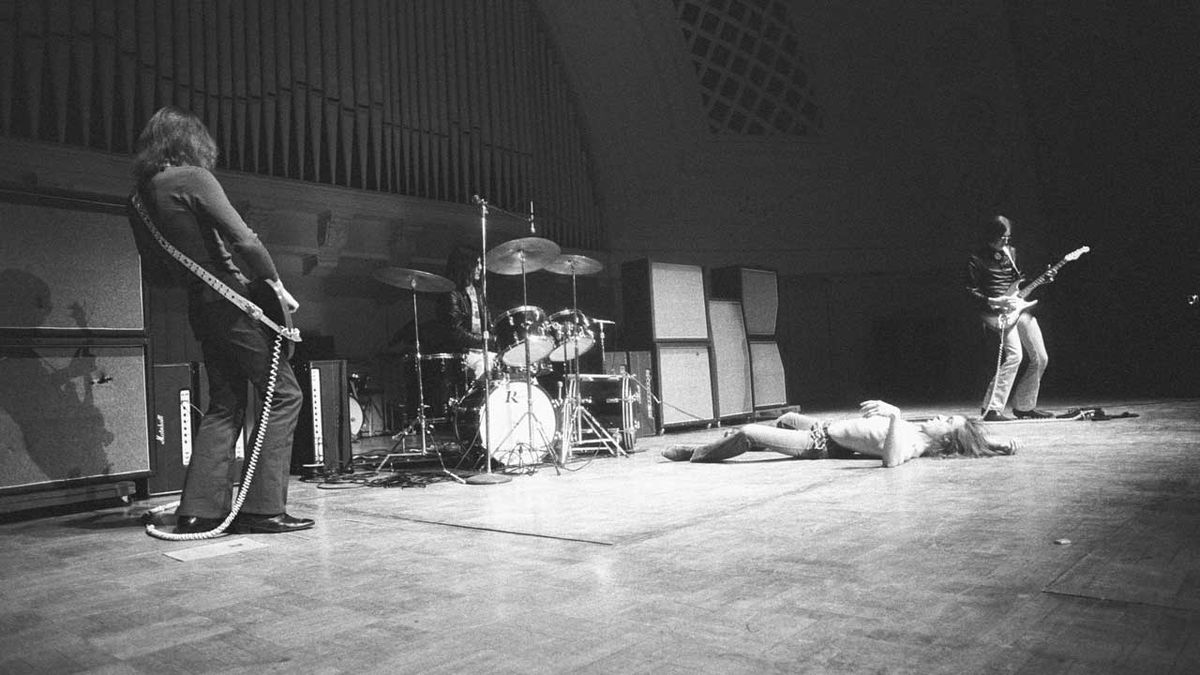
point(1022, 340)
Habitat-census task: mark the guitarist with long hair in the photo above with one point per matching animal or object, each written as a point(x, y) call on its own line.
point(992, 280)
point(178, 198)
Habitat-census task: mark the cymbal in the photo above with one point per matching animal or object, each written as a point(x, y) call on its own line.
point(569, 263)
point(413, 280)
point(535, 252)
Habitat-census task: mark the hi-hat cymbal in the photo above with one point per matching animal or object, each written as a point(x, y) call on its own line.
point(569, 263)
point(529, 254)
point(413, 280)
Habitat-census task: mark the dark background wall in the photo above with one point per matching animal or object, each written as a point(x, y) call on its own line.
point(1075, 119)
point(1111, 95)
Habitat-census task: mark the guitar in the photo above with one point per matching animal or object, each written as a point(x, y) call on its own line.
point(266, 305)
point(1007, 319)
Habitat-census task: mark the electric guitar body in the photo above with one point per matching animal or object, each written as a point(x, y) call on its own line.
point(270, 301)
point(1007, 319)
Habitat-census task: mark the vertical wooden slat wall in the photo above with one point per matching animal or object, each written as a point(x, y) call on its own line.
point(440, 99)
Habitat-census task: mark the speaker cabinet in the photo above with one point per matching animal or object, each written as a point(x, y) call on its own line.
point(175, 417)
point(757, 290)
point(68, 269)
point(770, 387)
point(684, 380)
point(731, 355)
point(72, 413)
point(323, 432)
point(662, 301)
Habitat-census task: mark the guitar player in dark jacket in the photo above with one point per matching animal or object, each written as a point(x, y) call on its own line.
point(173, 168)
point(993, 279)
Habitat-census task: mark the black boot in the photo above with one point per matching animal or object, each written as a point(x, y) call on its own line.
point(731, 446)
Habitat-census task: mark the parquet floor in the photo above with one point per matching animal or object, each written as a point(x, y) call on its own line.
point(1079, 555)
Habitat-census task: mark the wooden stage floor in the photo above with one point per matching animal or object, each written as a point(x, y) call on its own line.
point(1081, 554)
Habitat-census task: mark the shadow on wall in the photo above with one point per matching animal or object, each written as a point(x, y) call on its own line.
point(40, 388)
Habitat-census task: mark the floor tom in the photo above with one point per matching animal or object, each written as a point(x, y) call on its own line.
point(444, 380)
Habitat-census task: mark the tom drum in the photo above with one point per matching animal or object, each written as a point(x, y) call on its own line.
point(573, 334)
point(522, 327)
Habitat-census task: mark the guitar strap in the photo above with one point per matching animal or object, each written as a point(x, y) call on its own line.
point(1008, 251)
point(242, 302)
point(268, 396)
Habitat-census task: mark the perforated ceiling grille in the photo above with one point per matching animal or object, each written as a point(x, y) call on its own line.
point(747, 58)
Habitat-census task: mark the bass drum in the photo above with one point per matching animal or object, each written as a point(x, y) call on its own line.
point(511, 437)
point(356, 417)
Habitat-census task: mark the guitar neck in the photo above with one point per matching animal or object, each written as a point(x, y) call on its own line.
point(1041, 279)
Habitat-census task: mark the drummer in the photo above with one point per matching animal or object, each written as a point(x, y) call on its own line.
point(462, 311)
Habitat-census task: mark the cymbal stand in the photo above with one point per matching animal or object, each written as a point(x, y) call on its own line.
point(528, 416)
point(487, 478)
point(421, 422)
point(574, 415)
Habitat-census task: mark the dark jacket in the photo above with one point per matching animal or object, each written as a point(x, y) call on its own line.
point(990, 274)
point(454, 313)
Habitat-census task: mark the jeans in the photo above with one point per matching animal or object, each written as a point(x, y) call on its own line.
point(1024, 339)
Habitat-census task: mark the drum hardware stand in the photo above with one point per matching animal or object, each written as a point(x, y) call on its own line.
point(518, 251)
point(487, 478)
point(414, 281)
point(576, 418)
point(521, 448)
point(601, 323)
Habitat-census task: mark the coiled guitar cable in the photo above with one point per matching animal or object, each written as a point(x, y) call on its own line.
point(251, 464)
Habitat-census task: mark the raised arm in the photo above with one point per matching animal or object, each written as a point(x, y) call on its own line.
point(897, 445)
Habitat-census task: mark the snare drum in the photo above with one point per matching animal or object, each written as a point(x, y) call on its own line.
point(522, 327)
point(511, 436)
point(444, 380)
point(573, 334)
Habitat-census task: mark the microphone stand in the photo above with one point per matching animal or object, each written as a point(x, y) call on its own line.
point(487, 478)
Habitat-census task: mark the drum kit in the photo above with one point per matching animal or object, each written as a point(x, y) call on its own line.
point(505, 412)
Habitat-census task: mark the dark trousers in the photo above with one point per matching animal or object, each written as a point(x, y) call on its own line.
point(237, 352)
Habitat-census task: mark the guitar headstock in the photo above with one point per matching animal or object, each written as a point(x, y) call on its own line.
point(1074, 255)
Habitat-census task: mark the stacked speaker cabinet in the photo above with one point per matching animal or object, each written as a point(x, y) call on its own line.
point(757, 291)
point(666, 314)
point(323, 438)
point(74, 382)
point(731, 355)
